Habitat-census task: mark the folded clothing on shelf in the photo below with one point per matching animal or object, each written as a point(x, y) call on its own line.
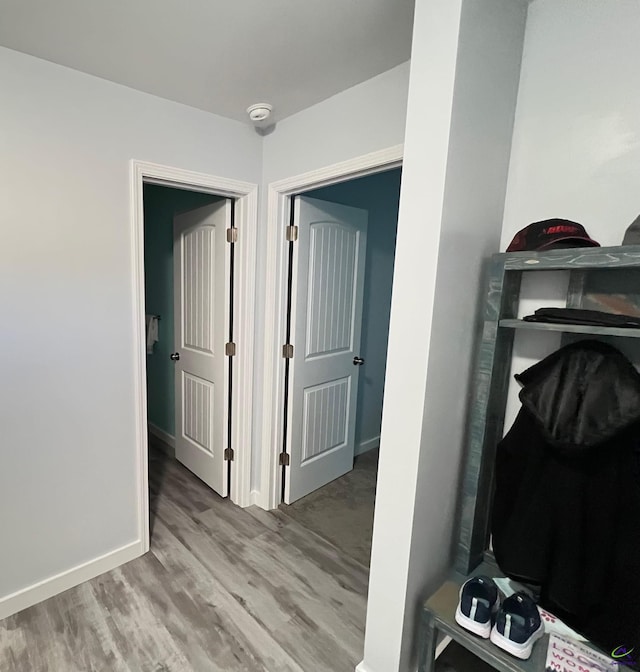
point(587, 317)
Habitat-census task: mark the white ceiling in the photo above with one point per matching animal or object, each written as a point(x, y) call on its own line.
point(218, 55)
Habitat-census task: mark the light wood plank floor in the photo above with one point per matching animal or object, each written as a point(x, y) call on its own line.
point(223, 589)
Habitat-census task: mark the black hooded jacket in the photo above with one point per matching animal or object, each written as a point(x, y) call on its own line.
point(566, 513)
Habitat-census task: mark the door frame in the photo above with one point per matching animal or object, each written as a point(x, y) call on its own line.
point(246, 220)
point(278, 203)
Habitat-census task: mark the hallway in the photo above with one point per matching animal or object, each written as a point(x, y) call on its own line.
point(222, 589)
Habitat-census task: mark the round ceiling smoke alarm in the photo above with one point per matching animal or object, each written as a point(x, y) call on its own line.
point(259, 112)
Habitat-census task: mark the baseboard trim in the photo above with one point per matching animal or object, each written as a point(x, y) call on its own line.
point(369, 444)
point(261, 499)
point(167, 439)
point(43, 590)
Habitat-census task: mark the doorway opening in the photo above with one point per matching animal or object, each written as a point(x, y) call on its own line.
point(340, 274)
point(195, 392)
point(189, 321)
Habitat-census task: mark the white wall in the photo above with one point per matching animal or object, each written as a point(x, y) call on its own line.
point(576, 143)
point(362, 119)
point(462, 94)
point(366, 118)
point(67, 480)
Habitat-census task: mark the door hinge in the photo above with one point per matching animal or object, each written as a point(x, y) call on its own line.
point(228, 454)
point(292, 233)
point(284, 459)
point(232, 235)
point(287, 351)
point(230, 349)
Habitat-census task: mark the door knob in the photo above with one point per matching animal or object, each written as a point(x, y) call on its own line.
point(358, 361)
point(174, 356)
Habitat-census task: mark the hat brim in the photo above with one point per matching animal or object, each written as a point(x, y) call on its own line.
point(579, 242)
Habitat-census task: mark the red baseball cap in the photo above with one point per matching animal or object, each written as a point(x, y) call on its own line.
point(549, 234)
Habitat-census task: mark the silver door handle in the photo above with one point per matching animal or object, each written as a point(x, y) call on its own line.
point(358, 361)
point(174, 356)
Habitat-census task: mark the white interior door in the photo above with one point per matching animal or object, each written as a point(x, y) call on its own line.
point(201, 259)
point(326, 318)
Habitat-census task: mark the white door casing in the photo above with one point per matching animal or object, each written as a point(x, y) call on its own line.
point(326, 318)
point(201, 327)
point(278, 196)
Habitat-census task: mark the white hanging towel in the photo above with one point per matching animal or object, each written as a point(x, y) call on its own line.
point(152, 332)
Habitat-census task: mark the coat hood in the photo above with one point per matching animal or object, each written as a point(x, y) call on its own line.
point(582, 395)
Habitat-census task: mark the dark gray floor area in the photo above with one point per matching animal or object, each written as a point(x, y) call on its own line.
point(342, 511)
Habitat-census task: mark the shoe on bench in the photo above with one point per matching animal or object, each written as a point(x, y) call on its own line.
point(518, 625)
point(477, 605)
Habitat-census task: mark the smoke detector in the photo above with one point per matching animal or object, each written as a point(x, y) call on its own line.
point(259, 113)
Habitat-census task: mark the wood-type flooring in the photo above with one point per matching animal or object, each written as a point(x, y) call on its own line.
point(223, 589)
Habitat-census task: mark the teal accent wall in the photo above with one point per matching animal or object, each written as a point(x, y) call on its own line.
point(380, 195)
point(160, 206)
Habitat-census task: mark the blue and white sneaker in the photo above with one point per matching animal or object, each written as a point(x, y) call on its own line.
point(518, 625)
point(477, 605)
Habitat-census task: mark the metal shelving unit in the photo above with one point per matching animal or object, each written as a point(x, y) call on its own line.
point(486, 423)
